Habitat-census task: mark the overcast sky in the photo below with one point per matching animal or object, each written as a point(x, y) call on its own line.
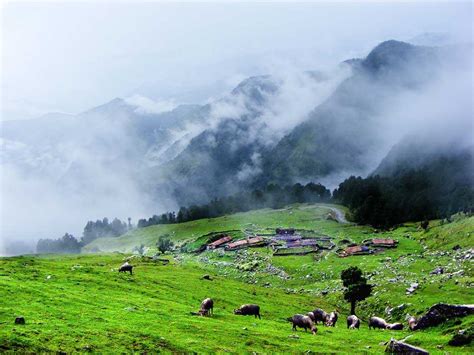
point(69, 57)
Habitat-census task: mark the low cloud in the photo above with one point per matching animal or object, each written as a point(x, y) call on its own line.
point(145, 105)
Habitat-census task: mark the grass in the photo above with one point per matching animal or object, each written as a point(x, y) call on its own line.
point(81, 303)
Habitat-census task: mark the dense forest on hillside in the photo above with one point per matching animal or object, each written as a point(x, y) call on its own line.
point(93, 230)
point(437, 190)
point(272, 196)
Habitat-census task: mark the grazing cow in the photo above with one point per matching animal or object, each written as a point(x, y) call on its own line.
point(376, 322)
point(302, 321)
point(412, 323)
point(332, 319)
point(248, 310)
point(126, 267)
point(395, 326)
point(353, 322)
point(319, 316)
point(207, 307)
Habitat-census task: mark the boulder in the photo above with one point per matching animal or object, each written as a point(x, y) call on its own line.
point(412, 288)
point(463, 337)
point(399, 347)
point(437, 271)
point(441, 312)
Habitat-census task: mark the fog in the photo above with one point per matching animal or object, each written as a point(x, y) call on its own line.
point(59, 171)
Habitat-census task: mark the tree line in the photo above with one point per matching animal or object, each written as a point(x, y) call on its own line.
point(272, 196)
point(414, 195)
point(92, 230)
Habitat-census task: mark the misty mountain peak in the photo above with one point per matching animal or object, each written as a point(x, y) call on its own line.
point(256, 87)
point(116, 105)
point(388, 54)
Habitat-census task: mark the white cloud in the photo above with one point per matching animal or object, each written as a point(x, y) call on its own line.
point(145, 105)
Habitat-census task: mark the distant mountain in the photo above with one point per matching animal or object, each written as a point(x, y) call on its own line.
point(341, 135)
point(227, 156)
point(448, 168)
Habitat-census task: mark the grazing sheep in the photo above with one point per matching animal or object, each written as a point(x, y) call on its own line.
point(249, 310)
point(302, 321)
point(353, 322)
point(412, 323)
point(332, 319)
point(376, 322)
point(395, 326)
point(126, 267)
point(207, 307)
point(319, 316)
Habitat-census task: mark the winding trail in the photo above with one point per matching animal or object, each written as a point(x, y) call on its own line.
point(339, 215)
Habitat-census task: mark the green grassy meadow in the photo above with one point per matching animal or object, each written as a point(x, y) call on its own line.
point(81, 303)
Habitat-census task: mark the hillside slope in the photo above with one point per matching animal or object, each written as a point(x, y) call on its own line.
point(81, 303)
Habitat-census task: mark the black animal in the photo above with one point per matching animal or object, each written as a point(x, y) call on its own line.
point(207, 307)
point(249, 310)
point(126, 267)
point(332, 319)
point(376, 322)
point(353, 322)
point(319, 316)
point(395, 326)
point(301, 321)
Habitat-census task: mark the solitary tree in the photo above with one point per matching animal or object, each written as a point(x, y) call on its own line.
point(164, 244)
point(140, 249)
point(356, 286)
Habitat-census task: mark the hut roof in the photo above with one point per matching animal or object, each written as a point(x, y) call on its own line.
point(380, 241)
point(220, 241)
point(356, 249)
point(245, 242)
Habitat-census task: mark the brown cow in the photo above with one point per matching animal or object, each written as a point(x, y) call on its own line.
point(376, 322)
point(304, 322)
point(332, 319)
point(207, 307)
point(412, 323)
point(248, 310)
point(395, 326)
point(353, 322)
point(319, 316)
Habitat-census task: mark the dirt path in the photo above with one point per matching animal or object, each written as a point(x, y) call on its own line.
point(339, 215)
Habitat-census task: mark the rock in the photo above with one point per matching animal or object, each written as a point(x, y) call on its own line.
point(456, 247)
point(437, 271)
point(398, 310)
point(293, 336)
point(207, 277)
point(463, 337)
point(19, 320)
point(441, 312)
point(399, 347)
point(412, 288)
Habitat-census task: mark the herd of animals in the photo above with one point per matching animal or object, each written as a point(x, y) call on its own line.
point(309, 320)
point(306, 322)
